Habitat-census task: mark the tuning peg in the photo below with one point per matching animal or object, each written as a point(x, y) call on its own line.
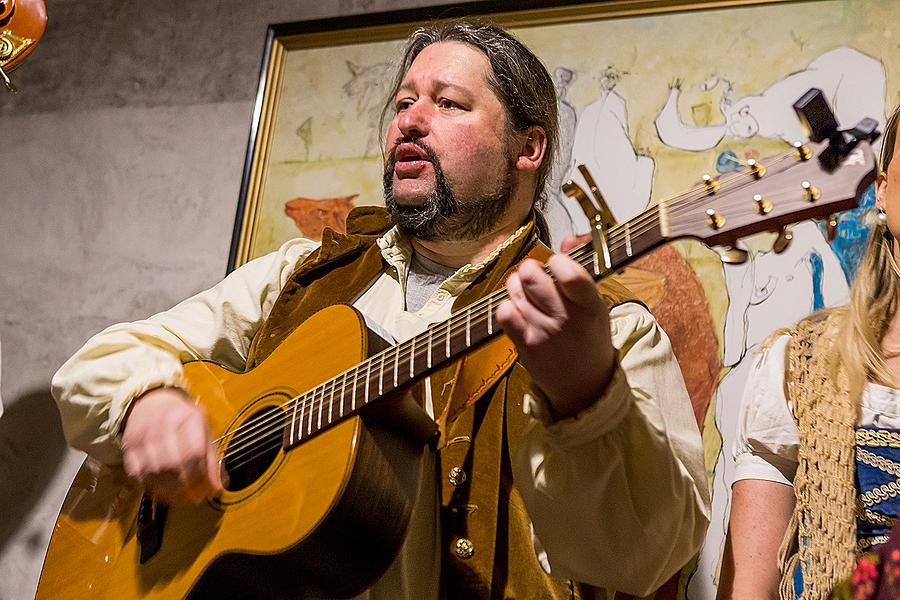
point(763, 206)
point(733, 256)
point(810, 192)
point(714, 219)
point(783, 240)
point(756, 169)
point(711, 184)
point(831, 228)
point(803, 151)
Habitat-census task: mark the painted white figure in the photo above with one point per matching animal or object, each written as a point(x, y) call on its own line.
point(603, 145)
point(767, 292)
point(368, 86)
point(853, 83)
point(556, 212)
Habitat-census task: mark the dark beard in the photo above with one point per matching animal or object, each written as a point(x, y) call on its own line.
point(441, 217)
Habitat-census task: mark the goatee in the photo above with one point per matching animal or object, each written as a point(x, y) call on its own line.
point(441, 216)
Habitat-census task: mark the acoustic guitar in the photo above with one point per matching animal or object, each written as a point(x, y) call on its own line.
point(321, 488)
point(22, 24)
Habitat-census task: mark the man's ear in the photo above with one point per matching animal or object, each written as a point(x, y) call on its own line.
point(881, 190)
point(531, 151)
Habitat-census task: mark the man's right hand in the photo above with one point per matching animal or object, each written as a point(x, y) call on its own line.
point(167, 447)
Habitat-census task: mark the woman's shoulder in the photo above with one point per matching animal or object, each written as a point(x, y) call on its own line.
point(833, 314)
point(826, 319)
point(809, 328)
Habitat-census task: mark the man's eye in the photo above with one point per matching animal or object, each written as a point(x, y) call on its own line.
point(403, 104)
point(445, 103)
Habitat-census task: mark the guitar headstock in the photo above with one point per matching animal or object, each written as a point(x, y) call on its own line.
point(804, 183)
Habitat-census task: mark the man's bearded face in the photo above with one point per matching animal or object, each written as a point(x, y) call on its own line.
point(450, 168)
point(441, 216)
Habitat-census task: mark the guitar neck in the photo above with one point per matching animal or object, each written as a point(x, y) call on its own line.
point(394, 367)
point(808, 182)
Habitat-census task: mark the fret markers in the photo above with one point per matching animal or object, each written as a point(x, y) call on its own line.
point(331, 399)
point(396, 363)
point(490, 313)
point(302, 409)
point(368, 371)
point(293, 422)
point(468, 328)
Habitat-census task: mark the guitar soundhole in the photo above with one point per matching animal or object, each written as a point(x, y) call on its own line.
point(253, 447)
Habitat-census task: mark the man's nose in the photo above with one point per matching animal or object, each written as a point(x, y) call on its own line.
point(414, 120)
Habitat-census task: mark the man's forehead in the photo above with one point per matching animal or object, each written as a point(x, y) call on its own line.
point(449, 64)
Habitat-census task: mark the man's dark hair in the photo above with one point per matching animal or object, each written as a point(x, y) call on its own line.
point(517, 76)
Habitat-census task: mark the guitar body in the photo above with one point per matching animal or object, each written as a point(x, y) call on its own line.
point(318, 501)
point(324, 519)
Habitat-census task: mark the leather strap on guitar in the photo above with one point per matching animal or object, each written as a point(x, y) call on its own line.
point(476, 372)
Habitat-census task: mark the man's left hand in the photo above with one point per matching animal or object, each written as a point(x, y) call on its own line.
point(560, 326)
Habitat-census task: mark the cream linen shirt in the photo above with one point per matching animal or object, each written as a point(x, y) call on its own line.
point(617, 494)
point(768, 440)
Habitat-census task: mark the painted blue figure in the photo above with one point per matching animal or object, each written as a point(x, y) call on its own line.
point(853, 230)
point(727, 162)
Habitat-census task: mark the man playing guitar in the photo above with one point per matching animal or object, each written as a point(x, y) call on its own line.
point(589, 430)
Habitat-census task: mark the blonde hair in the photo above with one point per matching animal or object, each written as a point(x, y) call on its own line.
point(874, 297)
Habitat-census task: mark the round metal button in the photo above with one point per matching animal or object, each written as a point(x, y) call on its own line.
point(456, 476)
point(464, 548)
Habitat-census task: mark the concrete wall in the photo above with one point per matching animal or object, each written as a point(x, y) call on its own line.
point(120, 166)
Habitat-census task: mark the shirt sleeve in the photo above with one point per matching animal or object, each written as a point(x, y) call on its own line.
point(95, 387)
point(766, 443)
point(618, 494)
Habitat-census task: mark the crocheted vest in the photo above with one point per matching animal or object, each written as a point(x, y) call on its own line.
point(486, 532)
point(847, 484)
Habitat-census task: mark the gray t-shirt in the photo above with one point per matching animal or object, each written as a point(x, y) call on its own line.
point(425, 277)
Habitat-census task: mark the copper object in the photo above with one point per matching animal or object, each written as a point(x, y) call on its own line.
point(22, 24)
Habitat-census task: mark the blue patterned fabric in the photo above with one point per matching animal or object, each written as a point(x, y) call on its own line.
point(878, 490)
point(877, 484)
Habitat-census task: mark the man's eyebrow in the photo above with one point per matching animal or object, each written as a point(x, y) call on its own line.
point(439, 85)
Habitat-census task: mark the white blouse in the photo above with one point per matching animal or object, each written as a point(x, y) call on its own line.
point(767, 436)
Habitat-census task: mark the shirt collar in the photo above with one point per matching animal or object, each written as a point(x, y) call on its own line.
point(397, 250)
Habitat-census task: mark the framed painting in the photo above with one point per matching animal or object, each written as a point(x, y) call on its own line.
point(651, 95)
point(315, 137)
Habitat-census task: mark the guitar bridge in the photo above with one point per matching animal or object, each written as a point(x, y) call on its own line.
point(150, 522)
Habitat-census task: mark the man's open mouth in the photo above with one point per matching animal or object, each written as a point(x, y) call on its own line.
point(410, 153)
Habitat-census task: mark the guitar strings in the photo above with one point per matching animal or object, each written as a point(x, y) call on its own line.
point(584, 255)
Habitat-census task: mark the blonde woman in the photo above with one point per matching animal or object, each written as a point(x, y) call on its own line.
point(817, 477)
